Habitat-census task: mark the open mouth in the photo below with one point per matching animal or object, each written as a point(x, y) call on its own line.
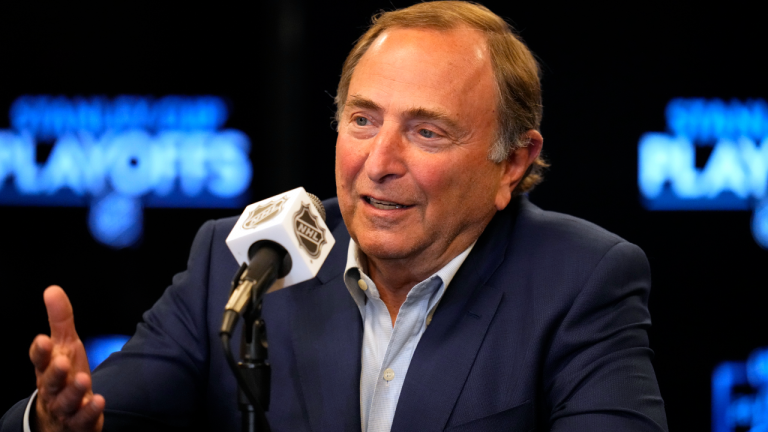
point(384, 205)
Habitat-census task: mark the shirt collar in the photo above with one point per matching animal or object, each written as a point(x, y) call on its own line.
point(357, 269)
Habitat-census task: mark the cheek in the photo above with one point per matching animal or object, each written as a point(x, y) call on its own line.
point(458, 186)
point(440, 180)
point(345, 162)
point(349, 161)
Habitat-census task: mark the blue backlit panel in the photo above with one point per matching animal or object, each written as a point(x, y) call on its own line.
point(740, 394)
point(732, 137)
point(98, 348)
point(121, 155)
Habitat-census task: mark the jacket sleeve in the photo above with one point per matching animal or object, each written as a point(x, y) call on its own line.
point(13, 419)
point(598, 373)
point(157, 381)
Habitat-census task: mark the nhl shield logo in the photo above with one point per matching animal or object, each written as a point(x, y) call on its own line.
point(264, 213)
point(310, 235)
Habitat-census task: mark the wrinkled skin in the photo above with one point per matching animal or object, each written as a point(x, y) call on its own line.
point(413, 178)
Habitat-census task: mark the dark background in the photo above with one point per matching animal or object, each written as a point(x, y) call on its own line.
point(607, 75)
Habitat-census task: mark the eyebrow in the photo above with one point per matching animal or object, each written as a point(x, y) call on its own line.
point(428, 114)
point(356, 101)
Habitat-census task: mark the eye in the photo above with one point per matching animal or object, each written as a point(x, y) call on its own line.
point(426, 133)
point(361, 121)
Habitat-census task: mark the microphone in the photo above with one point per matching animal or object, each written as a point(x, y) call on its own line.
point(284, 237)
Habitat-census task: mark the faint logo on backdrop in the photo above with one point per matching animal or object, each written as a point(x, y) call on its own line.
point(713, 157)
point(120, 155)
point(740, 395)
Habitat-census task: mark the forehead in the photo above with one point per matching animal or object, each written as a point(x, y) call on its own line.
point(423, 67)
point(460, 45)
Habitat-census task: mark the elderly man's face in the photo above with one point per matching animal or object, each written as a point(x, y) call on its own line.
point(412, 171)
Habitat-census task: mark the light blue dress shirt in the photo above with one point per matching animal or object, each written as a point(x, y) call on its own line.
point(387, 350)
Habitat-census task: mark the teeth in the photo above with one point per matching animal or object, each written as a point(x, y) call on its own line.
point(384, 205)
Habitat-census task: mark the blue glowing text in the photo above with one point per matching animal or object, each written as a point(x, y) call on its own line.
point(731, 139)
point(740, 394)
point(120, 155)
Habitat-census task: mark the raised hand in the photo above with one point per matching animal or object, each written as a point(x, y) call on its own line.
point(65, 400)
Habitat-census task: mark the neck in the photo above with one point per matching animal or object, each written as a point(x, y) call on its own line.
point(393, 283)
point(394, 278)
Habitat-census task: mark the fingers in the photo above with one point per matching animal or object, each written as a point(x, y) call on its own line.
point(54, 378)
point(60, 315)
point(90, 416)
point(40, 352)
point(65, 399)
point(69, 403)
point(70, 399)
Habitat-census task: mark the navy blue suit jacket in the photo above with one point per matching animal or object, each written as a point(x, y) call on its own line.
point(544, 327)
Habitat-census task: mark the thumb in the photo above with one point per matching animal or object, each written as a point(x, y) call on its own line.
point(60, 316)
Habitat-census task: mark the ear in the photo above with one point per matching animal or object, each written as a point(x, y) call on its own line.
point(515, 166)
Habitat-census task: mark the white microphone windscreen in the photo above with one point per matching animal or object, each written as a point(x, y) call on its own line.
point(296, 221)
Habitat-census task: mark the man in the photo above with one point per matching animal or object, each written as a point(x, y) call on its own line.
point(449, 302)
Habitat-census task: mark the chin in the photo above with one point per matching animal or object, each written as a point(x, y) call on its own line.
point(382, 248)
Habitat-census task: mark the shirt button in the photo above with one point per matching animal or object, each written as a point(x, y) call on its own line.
point(429, 320)
point(361, 283)
point(389, 374)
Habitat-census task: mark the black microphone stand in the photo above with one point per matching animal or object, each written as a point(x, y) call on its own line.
point(269, 261)
point(255, 370)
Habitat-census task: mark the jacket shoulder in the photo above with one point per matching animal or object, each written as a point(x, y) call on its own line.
point(562, 234)
point(559, 253)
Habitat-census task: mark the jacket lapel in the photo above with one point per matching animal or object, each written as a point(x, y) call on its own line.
point(327, 339)
point(447, 350)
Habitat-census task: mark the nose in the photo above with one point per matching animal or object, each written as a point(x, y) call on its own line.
point(386, 161)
